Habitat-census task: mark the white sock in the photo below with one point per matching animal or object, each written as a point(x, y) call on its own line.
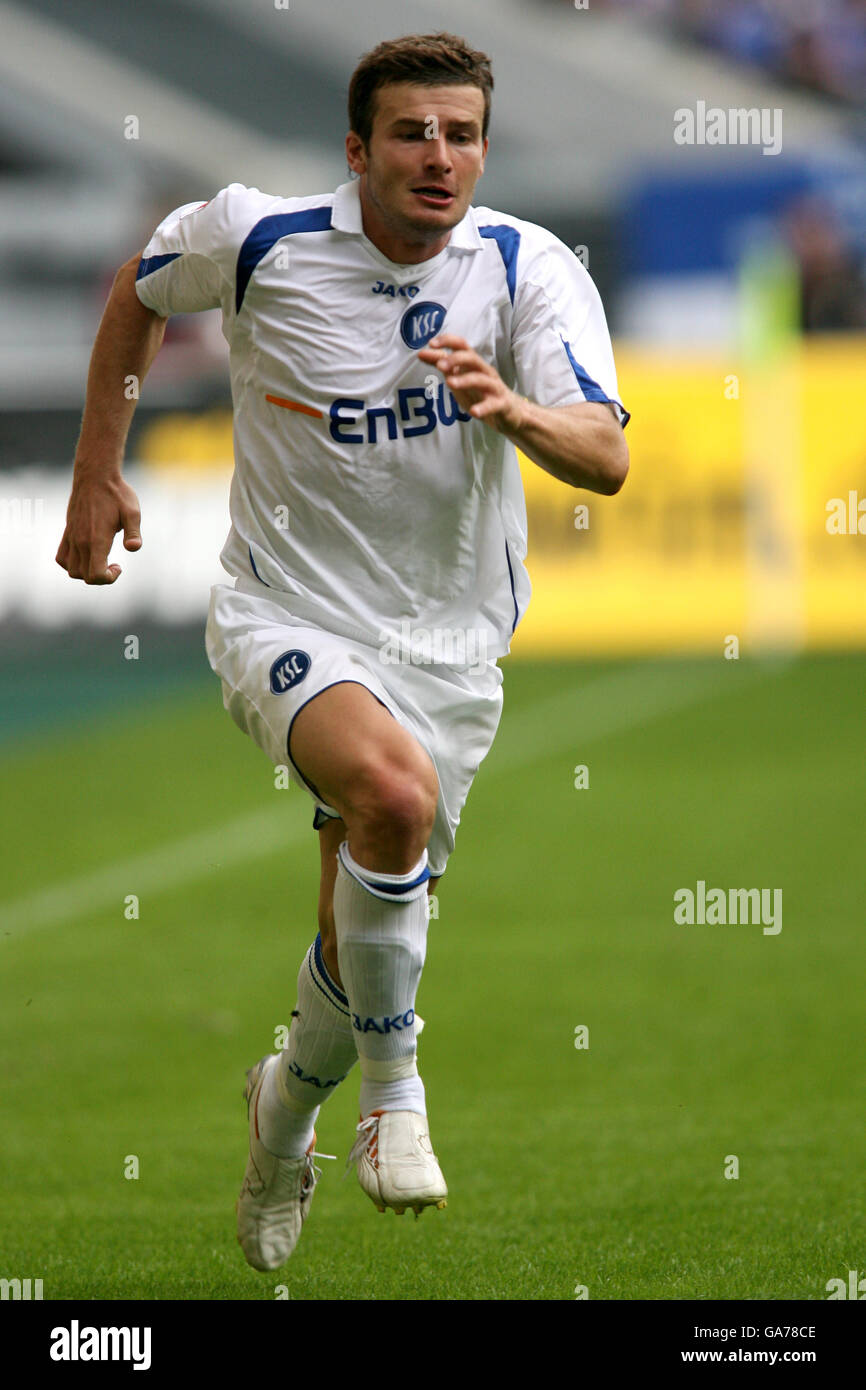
point(381, 922)
point(320, 1053)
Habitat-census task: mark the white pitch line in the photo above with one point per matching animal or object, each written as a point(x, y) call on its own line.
point(235, 842)
point(571, 719)
point(611, 704)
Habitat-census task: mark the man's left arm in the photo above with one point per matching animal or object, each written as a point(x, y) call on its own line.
point(581, 444)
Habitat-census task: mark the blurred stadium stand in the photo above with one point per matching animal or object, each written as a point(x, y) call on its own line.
point(582, 141)
point(819, 45)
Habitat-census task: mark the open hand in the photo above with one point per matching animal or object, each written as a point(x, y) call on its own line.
point(475, 384)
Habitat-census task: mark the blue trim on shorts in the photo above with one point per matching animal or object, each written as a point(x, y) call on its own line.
point(255, 571)
point(513, 594)
point(345, 680)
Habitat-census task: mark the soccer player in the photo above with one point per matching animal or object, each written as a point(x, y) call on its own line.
point(390, 345)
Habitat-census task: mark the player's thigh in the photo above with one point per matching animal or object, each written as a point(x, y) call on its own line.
point(360, 760)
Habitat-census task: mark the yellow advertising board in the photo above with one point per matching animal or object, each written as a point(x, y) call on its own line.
point(740, 516)
point(724, 526)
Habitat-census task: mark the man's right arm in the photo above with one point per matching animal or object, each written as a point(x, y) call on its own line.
point(102, 502)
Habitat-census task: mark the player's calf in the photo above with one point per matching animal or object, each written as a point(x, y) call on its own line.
point(381, 925)
point(381, 922)
point(277, 1193)
point(385, 787)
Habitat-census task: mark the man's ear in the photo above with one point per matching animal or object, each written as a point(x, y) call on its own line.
point(356, 152)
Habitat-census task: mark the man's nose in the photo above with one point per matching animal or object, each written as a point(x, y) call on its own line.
point(438, 152)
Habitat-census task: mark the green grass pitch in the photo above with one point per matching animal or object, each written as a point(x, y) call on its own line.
point(601, 1167)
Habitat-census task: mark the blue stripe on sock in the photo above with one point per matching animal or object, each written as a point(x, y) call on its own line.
point(326, 993)
point(331, 991)
point(380, 887)
point(398, 887)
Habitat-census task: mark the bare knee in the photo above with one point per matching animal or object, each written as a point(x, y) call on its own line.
point(398, 803)
point(391, 807)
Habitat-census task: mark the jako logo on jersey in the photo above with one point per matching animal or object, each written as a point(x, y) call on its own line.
point(288, 670)
point(403, 291)
point(386, 1024)
point(421, 323)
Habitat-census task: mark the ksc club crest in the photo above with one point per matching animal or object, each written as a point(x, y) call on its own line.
point(421, 322)
point(288, 670)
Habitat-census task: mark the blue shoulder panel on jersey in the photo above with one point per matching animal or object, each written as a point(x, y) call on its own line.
point(508, 241)
point(147, 267)
point(591, 389)
point(266, 232)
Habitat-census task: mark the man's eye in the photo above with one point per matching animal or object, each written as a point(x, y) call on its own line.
point(417, 135)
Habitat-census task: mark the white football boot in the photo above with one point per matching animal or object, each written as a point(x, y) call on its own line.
point(396, 1163)
point(277, 1193)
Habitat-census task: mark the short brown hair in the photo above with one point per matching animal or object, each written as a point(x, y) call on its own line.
point(429, 60)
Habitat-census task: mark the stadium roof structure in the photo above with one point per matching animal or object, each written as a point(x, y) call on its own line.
point(224, 90)
point(233, 91)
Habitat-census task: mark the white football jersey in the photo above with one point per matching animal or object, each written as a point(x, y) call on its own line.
point(363, 498)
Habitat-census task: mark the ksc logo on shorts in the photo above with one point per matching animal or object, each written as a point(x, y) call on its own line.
point(288, 670)
point(421, 323)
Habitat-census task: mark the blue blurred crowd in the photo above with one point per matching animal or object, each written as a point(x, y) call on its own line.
point(819, 45)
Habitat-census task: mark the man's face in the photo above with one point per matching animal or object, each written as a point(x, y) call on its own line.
point(424, 139)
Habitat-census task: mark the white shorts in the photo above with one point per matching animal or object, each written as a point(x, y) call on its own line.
point(271, 665)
